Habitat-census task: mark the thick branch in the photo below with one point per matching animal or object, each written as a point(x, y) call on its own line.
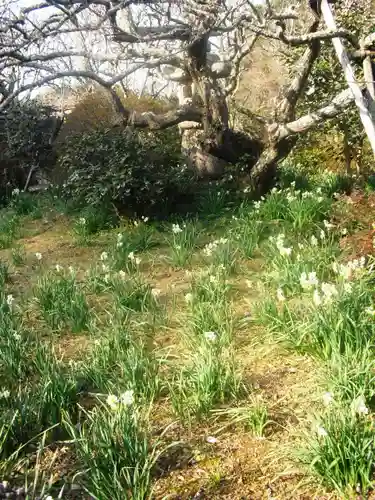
point(307, 122)
point(166, 120)
point(295, 41)
point(304, 65)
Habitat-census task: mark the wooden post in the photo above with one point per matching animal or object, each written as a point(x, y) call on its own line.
point(342, 55)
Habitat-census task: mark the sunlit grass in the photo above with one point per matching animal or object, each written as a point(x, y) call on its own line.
point(62, 301)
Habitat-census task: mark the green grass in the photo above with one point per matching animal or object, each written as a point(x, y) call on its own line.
point(340, 450)
point(119, 361)
point(115, 450)
point(152, 344)
point(61, 301)
point(209, 379)
point(182, 242)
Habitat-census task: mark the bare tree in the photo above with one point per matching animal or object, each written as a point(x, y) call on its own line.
point(200, 44)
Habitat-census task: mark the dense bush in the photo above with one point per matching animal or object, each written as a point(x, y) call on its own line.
point(137, 171)
point(27, 131)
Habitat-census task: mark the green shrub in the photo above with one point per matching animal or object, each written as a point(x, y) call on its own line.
point(140, 172)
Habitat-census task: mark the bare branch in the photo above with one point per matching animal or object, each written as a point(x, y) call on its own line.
point(304, 66)
point(307, 122)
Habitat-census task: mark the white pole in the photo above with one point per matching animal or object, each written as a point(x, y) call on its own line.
point(342, 55)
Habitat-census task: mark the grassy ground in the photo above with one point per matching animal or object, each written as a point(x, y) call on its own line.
point(224, 356)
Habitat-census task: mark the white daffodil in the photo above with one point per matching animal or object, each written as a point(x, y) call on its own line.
point(127, 398)
point(308, 281)
point(314, 241)
point(359, 406)
point(103, 256)
point(10, 300)
point(345, 272)
point(249, 284)
point(280, 295)
point(58, 268)
point(321, 431)
point(327, 398)
point(210, 336)
point(211, 439)
point(317, 299)
point(38, 256)
point(176, 229)
point(329, 291)
point(285, 251)
point(112, 401)
point(155, 292)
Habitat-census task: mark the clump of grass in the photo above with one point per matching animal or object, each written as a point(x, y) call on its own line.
point(57, 389)
point(213, 202)
point(340, 320)
point(82, 231)
point(18, 255)
point(9, 224)
point(300, 210)
point(209, 308)
point(24, 203)
point(137, 238)
point(210, 378)
point(182, 243)
point(247, 231)
point(341, 448)
point(62, 302)
point(131, 293)
point(254, 417)
point(289, 260)
point(221, 254)
point(118, 360)
point(115, 450)
point(15, 343)
point(4, 274)
point(93, 220)
point(351, 374)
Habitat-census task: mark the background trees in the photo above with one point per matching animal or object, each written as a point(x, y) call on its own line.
point(201, 48)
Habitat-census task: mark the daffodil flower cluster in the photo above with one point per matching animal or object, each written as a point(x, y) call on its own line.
point(280, 244)
point(210, 248)
point(125, 399)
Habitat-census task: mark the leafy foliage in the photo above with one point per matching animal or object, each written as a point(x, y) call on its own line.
point(136, 171)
